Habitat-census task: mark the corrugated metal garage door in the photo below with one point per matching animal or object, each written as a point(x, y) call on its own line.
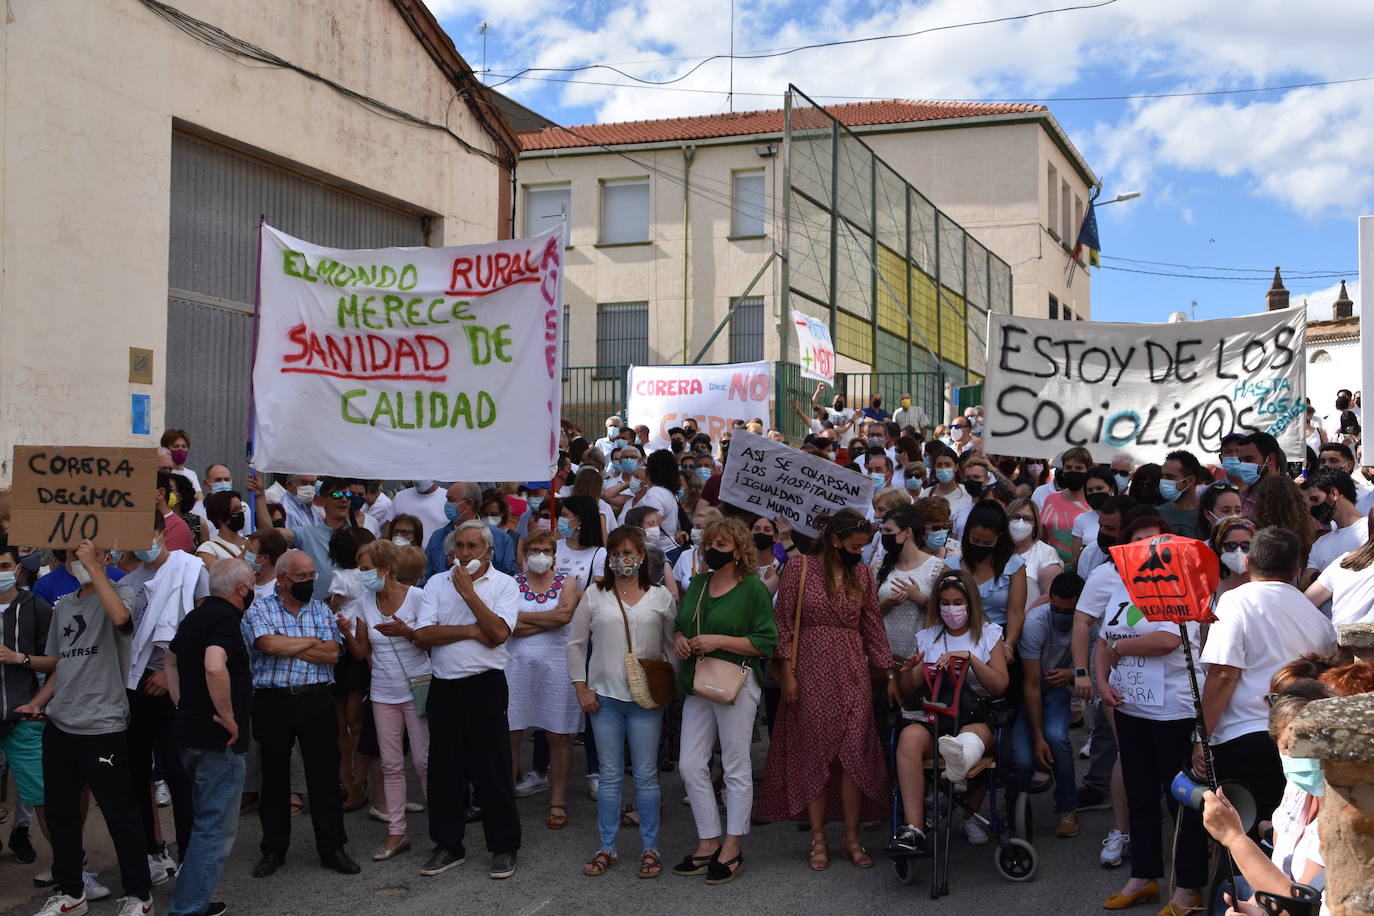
point(218, 196)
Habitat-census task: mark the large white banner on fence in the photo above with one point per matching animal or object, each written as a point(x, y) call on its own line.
point(1143, 389)
point(409, 362)
point(775, 480)
point(661, 397)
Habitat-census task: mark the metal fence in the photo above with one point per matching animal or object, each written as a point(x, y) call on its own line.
point(904, 287)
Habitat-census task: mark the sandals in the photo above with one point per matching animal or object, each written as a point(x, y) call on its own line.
point(557, 821)
point(297, 805)
point(599, 864)
point(692, 865)
point(719, 872)
point(856, 852)
point(820, 854)
point(650, 866)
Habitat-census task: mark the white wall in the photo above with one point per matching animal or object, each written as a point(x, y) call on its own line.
point(1324, 379)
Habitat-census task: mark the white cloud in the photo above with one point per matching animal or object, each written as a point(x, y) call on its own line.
point(1319, 300)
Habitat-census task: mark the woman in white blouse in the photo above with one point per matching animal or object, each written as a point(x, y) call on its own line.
point(224, 510)
point(383, 633)
point(906, 575)
point(623, 600)
point(1042, 560)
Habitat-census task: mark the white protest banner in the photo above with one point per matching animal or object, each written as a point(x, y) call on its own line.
point(409, 362)
point(817, 353)
point(1139, 680)
point(776, 480)
point(661, 397)
point(1143, 389)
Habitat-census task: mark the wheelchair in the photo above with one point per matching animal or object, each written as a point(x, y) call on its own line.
point(1014, 853)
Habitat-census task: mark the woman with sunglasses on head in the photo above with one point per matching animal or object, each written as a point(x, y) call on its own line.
point(954, 627)
point(1217, 503)
point(825, 760)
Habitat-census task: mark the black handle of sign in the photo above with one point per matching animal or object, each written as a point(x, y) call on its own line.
point(1207, 760)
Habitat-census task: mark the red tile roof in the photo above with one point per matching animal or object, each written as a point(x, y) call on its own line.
point(856, 114)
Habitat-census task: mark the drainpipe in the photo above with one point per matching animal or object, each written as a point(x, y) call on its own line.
point(688, 154)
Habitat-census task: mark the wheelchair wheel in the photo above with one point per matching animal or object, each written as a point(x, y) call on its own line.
point(1023, 819)
point(1018, 861)
point(904, 867)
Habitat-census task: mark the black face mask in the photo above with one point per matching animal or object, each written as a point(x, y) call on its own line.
point(1105, 543)
point(890, 544)
point(1072, 480)
point(302, 591)
point(763, 541)
point(976, 555)
point(974, 488)
point(1062, 621)
point(1323, 512)
point(677, 446)
point(718, 559)
point(236, 521)
point(850, 560)
point(1095, 500)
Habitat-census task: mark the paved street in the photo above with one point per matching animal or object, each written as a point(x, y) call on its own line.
point(549, 881)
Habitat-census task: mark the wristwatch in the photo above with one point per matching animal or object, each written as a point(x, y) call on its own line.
point(1080, 672)
point(27, 662)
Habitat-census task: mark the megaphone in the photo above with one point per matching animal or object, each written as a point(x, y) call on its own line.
point(1188, 789)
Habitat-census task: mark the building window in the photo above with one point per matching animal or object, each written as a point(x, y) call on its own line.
point(1052, 195)
point(1066, 209)
point(622, 334)
point(545, 206)
point(1054, 306)
point(1321, 356)
point(748, 206)
point(746, 331)
point(1068, 313)
point(1077, 219)
point(624, 211)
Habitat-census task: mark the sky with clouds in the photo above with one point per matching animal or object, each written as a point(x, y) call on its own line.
point(1232, 184)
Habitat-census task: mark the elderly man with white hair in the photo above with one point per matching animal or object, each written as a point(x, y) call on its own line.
point(211, 683)
point(293, 647)
point(467, 614)
point(616, 436)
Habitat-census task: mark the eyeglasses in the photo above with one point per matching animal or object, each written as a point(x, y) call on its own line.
point(931, 528)
point(337, 494)
point(1271, 698)
point(300, 577)
point(1232, 547)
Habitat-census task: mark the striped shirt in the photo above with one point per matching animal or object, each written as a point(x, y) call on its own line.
point(268, 616)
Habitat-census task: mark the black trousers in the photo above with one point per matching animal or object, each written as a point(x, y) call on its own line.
point(151, 721)
point(469, 742)
point(282, 718)
point(1253, 760)
point(1152, 753)
point(71, 762)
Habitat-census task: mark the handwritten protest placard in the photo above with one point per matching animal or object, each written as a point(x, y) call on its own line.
point(1143, 389)
point(410, 362)
point(1139, 680)
point(777, 481)
point(817, 352)
point(63, 495)
point(661, 397)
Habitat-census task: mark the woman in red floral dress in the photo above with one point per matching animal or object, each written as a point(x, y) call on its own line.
point(825, 760)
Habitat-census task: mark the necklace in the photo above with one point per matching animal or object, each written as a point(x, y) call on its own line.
point(540, 597)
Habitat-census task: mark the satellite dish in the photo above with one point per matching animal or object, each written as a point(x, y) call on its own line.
point(1178, 317)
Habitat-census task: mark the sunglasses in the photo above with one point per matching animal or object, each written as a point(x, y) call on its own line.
point(1271, 698)
point(337, 494)
point(1243, 547)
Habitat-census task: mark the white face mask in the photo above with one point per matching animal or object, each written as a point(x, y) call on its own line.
point(79, 571)
point(400, 541)
point(472, 566)
point(424, 486)
point(539, 562)
point(697, 534)
point(305, 493)
point(492, 520)
point(1237, 562)
point(1020, 529)
point(956, 433)
point(652, 534)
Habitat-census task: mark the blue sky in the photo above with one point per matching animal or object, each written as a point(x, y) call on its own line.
point(1248, 180)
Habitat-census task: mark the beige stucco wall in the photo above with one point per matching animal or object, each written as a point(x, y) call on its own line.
point(91, 88)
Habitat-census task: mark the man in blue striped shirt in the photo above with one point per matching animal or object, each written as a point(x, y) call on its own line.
point(293, 646)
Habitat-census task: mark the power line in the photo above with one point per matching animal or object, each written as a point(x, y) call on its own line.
point(762, 55)
point(1162, 273)
point(1316, 271)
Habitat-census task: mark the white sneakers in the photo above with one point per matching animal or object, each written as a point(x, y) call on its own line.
point(161, 866)
point(94, 889)
point(974, 833)
point(1114, 849)
point(531, 784)
point(132, 906)
point(593, 784)
point(960, 754)
point(62, 905)
point(161, 793)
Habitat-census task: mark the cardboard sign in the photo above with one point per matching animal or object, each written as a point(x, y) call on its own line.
point(777, 481)
point(1170, 578)
point(410, 362)
point(816, 352)
point(661, 397)
point(64, 494)
point(1143, 389)
point(1139, 680)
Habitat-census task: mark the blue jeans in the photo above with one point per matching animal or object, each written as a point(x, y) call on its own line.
point(1055, 724)
point(616, 721)
point(216, 784)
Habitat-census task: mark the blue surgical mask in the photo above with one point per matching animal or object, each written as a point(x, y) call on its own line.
point(535, 502)
point(372, 580)
point(620, 443)
point(1305, 773)
point(704, 474)
point(1123, 481)
point(629, 465)
point(935, 540)
point(1249, 472)
point(612, 432)
point(252, 560)
point(565, 528)
point(634, 485)
point(879, 480)
point(151, 554)
point(1169, 490)
point(451, 512)
point(1231, 465)
point(7, 580)
point(913, 483)
point(221, 486)
point(944, 475)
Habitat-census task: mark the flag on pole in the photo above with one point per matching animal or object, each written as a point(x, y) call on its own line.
point(1087, 238)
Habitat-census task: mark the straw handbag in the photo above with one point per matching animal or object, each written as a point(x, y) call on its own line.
point(650, 679)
